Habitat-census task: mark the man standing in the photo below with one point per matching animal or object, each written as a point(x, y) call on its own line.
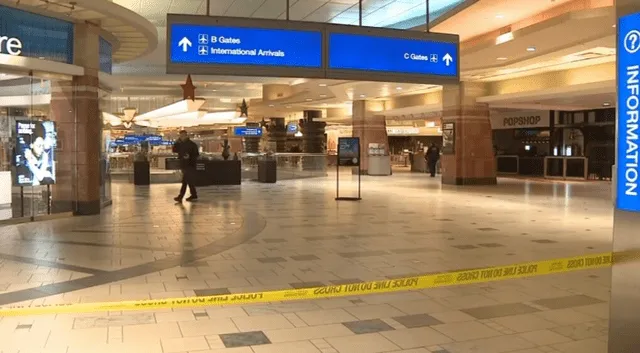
point(187, 151)
point(432, 156)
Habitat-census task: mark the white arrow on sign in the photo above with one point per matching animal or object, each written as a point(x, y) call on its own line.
point(447, 59)
point(185, 43)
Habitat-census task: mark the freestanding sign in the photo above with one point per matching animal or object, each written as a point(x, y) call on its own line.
point(348, 156)
point(627, 162)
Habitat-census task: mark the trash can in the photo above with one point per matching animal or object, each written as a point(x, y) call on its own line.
point(267, 171)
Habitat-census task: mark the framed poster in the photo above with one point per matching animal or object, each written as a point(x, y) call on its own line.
point(35, 152)
point(348, 151)
point(448, 138)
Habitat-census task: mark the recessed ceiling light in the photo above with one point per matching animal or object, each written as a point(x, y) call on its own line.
point(271, 105)
point(613, 25)
point(606, 104)
point(531, 49)
point(288, 106)
point(323, 95)
point(308, 99)
point(322, 84)
point(399, 88)
point(499, 16)
point(502, 58)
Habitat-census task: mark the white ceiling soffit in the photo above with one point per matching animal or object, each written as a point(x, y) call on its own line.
point(575, 97)
point(478, 17)
point(135, 35)
point(568, 32)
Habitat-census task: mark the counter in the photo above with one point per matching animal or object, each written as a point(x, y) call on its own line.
point(379, 165)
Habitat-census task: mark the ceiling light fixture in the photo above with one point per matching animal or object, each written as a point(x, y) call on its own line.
point(499, 16)
point(308, 99)
point(271, 106)
point(503, 38)
point(606, 104)
point(502, 58)
point(323, 96)
point(362, 96)
point(531, 49)
point(399, 88)
point(322, 84)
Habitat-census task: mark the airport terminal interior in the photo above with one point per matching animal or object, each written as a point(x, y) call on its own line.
point(443, 176)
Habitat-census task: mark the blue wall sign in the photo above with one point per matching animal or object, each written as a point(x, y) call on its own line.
point(292, 128)
point(627, 173)
point(219, 45)
point(245, 131)
point(392, 55)
point(27, 34)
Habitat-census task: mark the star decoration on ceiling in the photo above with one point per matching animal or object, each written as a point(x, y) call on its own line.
point(244, 109)
point(188, 89)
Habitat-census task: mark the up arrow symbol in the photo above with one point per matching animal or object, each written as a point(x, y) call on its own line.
point(185, 43)
point(447, 59)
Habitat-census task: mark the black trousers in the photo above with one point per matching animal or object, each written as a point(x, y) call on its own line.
point(432, 167)
point(188, 175)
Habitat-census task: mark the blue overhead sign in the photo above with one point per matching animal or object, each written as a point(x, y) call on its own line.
point(627, 172)
point(348, 51)
point(226, 45)
point(245, 131)
point(27, 34)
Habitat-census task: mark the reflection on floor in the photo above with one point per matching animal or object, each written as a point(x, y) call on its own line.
point(293, 234)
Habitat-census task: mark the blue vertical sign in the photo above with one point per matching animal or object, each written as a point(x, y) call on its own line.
point(627, 190)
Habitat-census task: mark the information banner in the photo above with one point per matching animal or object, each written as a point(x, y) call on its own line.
point(35, 153)
point(348, 151)
point(364, 52)
point(448, 138)
point(628, 113)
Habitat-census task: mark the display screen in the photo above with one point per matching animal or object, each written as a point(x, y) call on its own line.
point(35, 153)
point(199, 44)
point(392, 55)
point(247, 131)
point(348, 151)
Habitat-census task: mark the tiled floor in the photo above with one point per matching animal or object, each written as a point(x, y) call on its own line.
point(295, 235)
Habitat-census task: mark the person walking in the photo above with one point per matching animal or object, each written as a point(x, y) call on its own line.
point(432, 156)
point(188, 154)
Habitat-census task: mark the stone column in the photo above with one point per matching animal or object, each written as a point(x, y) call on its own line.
point(470, 159)
point(75, 109)
point(313, 139)
point(370, 128)
point(251, 143)
point(625, 276)
point(278, 134)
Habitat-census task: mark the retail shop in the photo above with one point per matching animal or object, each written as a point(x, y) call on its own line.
point(53, 157)
point(521, 140)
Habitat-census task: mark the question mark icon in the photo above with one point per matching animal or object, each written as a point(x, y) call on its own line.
point(632, 41)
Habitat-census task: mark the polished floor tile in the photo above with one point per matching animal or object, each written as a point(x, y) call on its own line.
point(293, 234)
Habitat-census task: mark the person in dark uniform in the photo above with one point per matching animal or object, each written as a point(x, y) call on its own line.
point(188, 154)
point(432, 156)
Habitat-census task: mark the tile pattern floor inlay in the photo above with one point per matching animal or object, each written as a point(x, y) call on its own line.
point(293, 234)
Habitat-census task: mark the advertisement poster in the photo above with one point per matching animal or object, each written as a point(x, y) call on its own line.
point(34, 156)
point(348, 151)
point(448, 138)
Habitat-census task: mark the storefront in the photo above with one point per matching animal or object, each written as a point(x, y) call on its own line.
point(589, 135)
point(521, 141)
point(44, 136)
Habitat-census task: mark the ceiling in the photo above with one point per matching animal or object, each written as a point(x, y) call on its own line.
point(562, 41)
point(376, 13)
point(131, 34)
point(490, 15)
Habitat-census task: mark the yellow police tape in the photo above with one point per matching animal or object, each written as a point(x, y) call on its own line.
point(488, 274)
